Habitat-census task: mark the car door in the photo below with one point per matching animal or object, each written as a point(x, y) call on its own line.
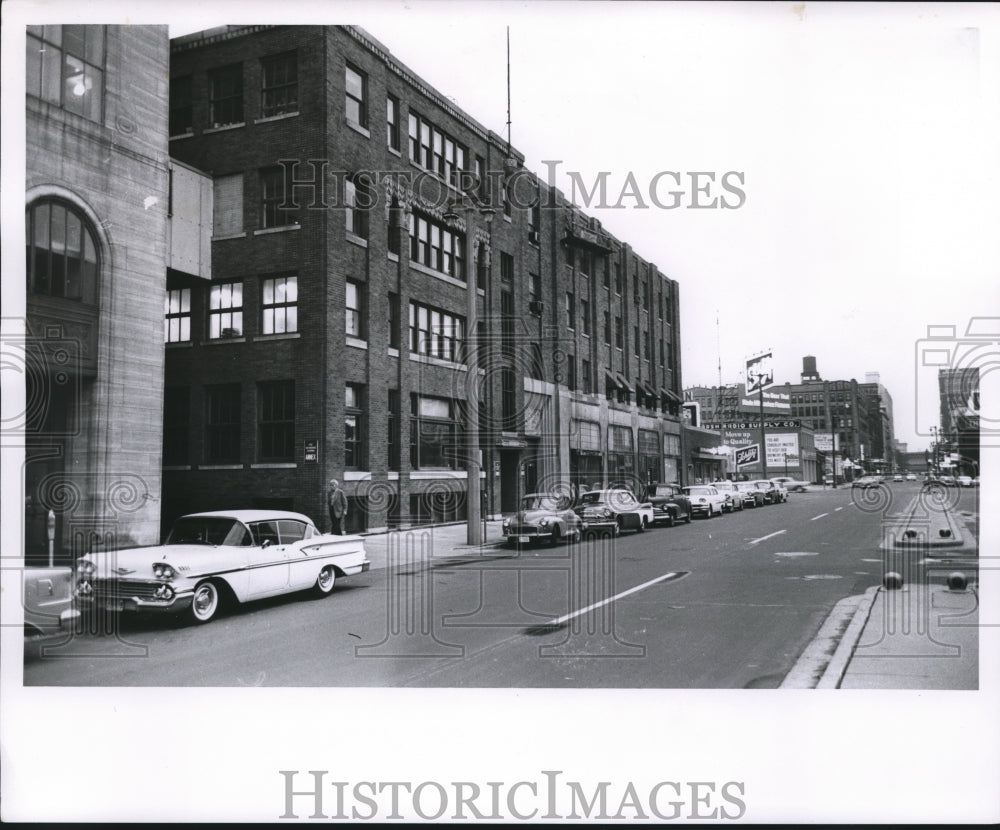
point(268, 561)
point(303, 566)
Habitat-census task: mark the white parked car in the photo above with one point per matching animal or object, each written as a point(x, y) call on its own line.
point(211, 557)
point(705, 500)
point(734, 498)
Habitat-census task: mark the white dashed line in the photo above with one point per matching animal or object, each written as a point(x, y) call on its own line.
point(837, 508)
point(577, 613)
point(820, 516)
point(769, 535)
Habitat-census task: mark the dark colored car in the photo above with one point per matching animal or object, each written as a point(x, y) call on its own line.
point(670, 505)
point(544, 517)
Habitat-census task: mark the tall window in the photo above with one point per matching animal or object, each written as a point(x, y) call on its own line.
point(61, 252)
point(225, 95)
point(508, 400)
point(222, 424)
point(354, 433)
point(393, 311)
point(507, 338)
point(276, 420)
point(393, 409)
point(279, 305)
point(619, 333)
point(357, 96)
point(571, 372)
point(177, 321)
point(585, 316)
point(354, 310)
point(227, 207)
point(274, 211)
point(570, 310)
point(355, 217)
point(436, 333)
point(392, 121)
point(181, 108)
point(176, 424)
point(279, 86)
point(585, 377)
point(225, 310)
point(506, 267)
point(621, 458)
point(534, 287)
point(65, 66)
point(434, 433)
point(635, 340)
point(607, 328)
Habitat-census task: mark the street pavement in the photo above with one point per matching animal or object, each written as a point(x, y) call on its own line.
point(922, 634)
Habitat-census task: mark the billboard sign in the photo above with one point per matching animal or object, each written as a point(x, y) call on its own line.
point(747, 455)
point(760, 373)
point(782, 449)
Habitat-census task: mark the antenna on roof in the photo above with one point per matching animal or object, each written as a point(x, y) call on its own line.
point(508, 91)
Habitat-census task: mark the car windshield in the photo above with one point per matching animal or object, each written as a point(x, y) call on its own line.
point(540, 502)
point(208, 530)
point(663, 490)
point(596, 497)
point(701, 491)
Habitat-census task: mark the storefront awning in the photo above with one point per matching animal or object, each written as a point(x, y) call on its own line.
point(671, 396)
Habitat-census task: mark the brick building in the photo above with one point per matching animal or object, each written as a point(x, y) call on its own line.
point(335, 336)
point(97, 228)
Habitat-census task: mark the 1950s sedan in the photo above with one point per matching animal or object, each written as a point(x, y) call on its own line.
point(543, 517)
point(210, 557)
point(611, 511)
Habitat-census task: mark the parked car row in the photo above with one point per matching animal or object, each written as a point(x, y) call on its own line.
point(552, 517)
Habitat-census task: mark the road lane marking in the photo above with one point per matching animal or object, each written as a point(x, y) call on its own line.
point(769, 535)
point(820, 516)
point(837, 508)
point(577, 613)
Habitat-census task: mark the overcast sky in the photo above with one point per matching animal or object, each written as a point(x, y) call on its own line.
point(865, 138)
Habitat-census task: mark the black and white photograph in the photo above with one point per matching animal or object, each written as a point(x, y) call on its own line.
point(500, 412)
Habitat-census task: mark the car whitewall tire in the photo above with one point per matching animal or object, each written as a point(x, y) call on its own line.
point(325, 581)
point(205, 602)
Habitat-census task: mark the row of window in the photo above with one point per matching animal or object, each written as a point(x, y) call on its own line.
point(436, 433)
point(223, 423)
point(278, 310)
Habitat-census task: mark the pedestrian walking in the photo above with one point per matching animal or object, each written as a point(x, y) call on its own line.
point(336, 502)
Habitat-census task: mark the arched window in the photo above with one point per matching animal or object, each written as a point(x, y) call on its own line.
point(62, 252)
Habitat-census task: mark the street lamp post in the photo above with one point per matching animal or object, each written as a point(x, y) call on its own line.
point(833, 450)
point(473, 466)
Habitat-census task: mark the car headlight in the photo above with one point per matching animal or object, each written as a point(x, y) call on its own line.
point(506, 522)
point(607, 513)
point(544, 522)
point(85, 569)
point(161, 571)
point(164, 592)
point(702, 500)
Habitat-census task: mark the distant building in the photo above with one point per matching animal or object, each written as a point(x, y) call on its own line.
point(959, 435)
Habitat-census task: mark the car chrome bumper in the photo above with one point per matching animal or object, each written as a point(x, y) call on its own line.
point(176, 604)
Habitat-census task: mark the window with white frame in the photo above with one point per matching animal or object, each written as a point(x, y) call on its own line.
point(356, 101)
point(436, 333)
point(434, 245)
point(225, 310)
point(177, 322)
point(354, 322)
point(392, 122)
point(279, 307)
point(355, 456)
point(435, 150)
point(276, 420)
point(275, 212)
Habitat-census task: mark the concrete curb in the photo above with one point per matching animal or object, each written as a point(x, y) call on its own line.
point(809, 668)
point(837, 666)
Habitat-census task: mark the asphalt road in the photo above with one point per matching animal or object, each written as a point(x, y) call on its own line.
point(720, 603)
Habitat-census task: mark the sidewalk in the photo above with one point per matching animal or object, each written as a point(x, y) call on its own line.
point(921, 634)
point(435, 541)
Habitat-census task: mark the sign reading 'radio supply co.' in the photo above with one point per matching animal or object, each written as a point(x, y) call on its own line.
point(748, 455)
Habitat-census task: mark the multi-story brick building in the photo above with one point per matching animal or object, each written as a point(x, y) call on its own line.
point(97, 228)
point(334, 338)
